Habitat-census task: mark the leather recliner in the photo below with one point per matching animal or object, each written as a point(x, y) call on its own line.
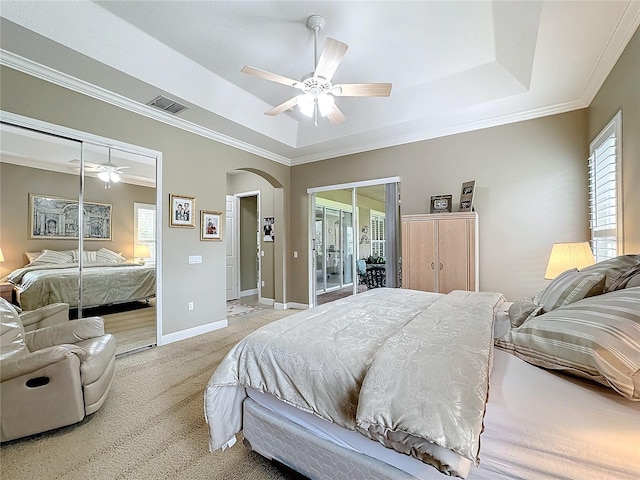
point(52, 376)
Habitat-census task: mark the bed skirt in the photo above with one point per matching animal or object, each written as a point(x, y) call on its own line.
point(277, 438)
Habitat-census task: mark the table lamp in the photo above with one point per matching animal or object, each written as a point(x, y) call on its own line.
point(565, 256)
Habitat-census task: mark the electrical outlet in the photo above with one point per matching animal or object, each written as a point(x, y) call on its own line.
point(263, 283)
point(295, 254)
point(190, 306)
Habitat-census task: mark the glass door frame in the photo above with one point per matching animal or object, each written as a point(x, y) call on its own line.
point(311, 195)
point(89, 138)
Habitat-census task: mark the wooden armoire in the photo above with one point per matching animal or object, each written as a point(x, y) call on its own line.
point(440, 252)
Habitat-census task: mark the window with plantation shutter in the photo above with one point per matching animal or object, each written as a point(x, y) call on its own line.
point(377, 235)
point(604, 190)
point(144, 228)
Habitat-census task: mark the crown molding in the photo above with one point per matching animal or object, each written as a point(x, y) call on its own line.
point(61, 79)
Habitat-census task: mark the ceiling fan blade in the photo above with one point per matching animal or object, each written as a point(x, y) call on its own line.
point(274, 77)
point(331, 56)
point(283, 107)
point(362, 90)
point(335, 116)
point(87, 165)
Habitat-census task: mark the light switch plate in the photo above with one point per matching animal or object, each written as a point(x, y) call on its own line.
point(195, 259)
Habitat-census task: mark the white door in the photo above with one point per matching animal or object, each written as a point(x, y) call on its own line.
point(232, 248)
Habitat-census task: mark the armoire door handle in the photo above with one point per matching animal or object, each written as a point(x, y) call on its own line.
point(432, 266)
point(441, 266)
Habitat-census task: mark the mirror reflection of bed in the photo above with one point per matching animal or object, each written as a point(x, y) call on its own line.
point(111, 273)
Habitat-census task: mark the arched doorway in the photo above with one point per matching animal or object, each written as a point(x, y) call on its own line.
point(255, 261)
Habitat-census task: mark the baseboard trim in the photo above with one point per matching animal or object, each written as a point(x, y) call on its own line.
point(267, 301)
point(192, 332)
point(288, 305)
point(248, 293)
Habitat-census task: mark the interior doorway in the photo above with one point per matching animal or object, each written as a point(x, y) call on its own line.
point(243, 263)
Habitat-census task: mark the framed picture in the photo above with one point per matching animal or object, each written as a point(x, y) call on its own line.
point(441, 203)
point(57, 218)
point(466, 196)
point(182, 211)
point(268, 229)
point(210, 226)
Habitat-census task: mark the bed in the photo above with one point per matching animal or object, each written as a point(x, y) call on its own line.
point(398, 384)
point(107, 278)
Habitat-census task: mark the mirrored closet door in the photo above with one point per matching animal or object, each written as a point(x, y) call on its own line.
point(78, 226)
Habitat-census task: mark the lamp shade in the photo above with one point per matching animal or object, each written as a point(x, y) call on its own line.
point(565, 256)
point(141, 251)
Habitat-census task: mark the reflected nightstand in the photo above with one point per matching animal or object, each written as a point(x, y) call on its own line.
point(6, 291)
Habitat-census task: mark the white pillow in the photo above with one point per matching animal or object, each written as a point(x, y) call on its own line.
point(104, 255)
point(31, 256)
point(87, 256)
point(53, 257)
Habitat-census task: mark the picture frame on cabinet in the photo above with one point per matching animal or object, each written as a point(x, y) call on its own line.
point(441, 204)
point(466, 196)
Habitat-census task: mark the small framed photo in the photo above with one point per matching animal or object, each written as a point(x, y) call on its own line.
point(466, 196)
point(182, 211)
point(268, 228)
point(441, 203)
point(210, 226)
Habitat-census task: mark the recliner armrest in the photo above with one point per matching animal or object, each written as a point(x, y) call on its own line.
point(48, 315)
point(25, 364)
point(71, 332)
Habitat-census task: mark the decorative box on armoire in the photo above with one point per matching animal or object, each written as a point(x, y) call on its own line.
point(440, 252)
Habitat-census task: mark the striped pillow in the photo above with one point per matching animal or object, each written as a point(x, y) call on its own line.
point(570, 287)
point(87, 256)
point(596, 338)
point(104, 255)
point(53, 257)
point(617, 270)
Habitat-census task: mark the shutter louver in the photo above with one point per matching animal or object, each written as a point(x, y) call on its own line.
point(603, 192)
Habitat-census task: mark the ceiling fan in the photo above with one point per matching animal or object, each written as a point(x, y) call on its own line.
point(108, 172)
point(317, 90)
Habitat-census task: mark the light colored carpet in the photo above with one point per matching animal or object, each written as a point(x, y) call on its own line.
point(151, 425)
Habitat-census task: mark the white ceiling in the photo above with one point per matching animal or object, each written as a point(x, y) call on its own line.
point(455, 66)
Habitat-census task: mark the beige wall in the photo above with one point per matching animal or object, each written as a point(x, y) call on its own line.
point(191, 165)
point(16, 182)
point(621, 91)
point(531, 191)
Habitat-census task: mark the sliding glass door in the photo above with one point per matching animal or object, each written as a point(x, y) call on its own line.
point(334, 246)
point(355, 235)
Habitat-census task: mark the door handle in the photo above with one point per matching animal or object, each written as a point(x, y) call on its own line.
point(441, 266)
point(432, 266)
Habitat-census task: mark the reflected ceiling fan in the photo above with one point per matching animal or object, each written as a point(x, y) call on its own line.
point(108, 172)
point(317, 90)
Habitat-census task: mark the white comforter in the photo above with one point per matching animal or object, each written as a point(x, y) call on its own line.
point(404, 367)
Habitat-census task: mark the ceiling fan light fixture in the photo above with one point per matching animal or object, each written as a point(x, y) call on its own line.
point(104, 176)
point(306, 103)
point(114, 177)
point(326, 103)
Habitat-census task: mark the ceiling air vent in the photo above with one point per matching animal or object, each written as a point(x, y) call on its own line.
point(167, 105)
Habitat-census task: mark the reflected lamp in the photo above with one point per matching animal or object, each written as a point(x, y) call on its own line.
point(140, 252)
